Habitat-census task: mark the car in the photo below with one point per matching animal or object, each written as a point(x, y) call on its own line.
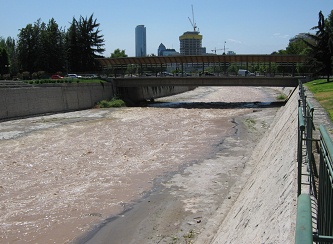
point(91, 76)
point(56, 77)
point(167, 74)
point(73, 76)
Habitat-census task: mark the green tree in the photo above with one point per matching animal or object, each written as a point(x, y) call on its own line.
point(73, 50)
point(53, 47)
point(4, 61)
point(10, 46)
point(25, 48)
point(118, 54)
point(322, 48)
point(90, 41)
point(84, 43)
point(29, 47)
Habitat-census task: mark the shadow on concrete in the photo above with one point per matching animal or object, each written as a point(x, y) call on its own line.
point(216, 105)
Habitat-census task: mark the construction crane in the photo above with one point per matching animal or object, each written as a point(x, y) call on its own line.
point(214, 50)
point(194, 25)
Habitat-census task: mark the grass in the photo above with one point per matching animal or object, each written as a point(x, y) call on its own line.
point(323, 93)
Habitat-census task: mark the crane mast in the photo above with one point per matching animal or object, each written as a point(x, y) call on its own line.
point(194, 25)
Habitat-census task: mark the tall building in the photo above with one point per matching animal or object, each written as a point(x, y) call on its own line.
point(191, 43)
point(161, 49)
point(140, 41)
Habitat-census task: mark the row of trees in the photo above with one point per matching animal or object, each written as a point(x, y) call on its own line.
point(317, 47)
point(321, 55)
point(50, 48)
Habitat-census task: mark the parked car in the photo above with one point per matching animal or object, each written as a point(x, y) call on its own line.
point(244, 72)
point(56, 77)
point(73, 76)
point(91, 76)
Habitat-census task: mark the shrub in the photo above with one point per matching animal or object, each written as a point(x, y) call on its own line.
point(113, 103)
point(281, 97)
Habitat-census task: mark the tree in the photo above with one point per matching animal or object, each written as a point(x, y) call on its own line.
point(40, 47)
point(52, 42)
point(9, 46)
point(322, 48)
point(118, 54)
point(85, 43)
point(26, 48)
point(4, 61)
point(73, 53)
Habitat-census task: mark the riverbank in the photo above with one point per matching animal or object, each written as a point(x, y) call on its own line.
point(65, 174)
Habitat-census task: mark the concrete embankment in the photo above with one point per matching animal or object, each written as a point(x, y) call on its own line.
point(22, 100)
point(265, 210)
point(52, 98)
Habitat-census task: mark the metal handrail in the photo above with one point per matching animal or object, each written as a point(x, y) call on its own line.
point(304, 220)
point(325, 194)
point(324, 215)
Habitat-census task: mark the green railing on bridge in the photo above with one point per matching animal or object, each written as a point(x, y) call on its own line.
point(314, 221)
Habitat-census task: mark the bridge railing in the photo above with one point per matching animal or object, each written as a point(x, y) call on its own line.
point(314, 221)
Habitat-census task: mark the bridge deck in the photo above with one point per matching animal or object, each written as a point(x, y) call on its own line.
point(207, 81)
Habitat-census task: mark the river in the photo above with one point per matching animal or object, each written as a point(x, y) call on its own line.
point(70, 177)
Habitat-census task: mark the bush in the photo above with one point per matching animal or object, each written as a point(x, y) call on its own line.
point(113, 103)
point(281, 97)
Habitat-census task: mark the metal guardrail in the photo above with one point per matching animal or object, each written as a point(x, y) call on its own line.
point(314, 221)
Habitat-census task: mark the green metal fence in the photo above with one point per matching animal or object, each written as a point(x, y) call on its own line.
point(314, 221)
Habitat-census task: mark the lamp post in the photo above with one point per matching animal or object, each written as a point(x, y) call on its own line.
point(224, 48)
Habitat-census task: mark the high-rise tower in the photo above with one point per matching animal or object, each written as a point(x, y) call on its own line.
point(140, 41)
point(191, 43)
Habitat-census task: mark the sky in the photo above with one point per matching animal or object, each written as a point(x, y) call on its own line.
point(242, 26)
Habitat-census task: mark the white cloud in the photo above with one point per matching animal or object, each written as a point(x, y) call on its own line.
point(234, 41)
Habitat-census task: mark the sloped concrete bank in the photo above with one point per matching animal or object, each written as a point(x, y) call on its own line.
point(265, 210)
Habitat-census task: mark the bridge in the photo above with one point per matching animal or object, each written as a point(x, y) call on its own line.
point(198, 63)
point(129, 74)
point(158, 61)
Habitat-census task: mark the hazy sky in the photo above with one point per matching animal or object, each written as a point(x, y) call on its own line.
point(247, 26)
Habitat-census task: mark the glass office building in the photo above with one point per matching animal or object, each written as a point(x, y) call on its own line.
point(140, 41)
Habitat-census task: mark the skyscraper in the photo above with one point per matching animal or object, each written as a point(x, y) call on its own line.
point(191, 43)
point(140, 41)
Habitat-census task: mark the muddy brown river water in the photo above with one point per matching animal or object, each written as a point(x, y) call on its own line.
point(66, 177)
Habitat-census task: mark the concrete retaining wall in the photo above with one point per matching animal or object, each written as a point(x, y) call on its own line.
point(265, 210)
point(52, 98)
